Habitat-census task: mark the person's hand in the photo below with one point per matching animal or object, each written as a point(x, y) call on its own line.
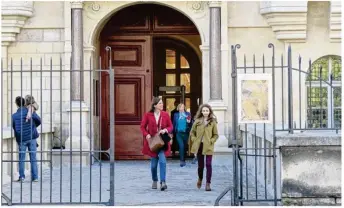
point(187, 120)
point(171, 141)
point(162, 131)
point(148, 136)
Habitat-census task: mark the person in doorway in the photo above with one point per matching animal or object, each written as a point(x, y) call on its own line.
point(174, 144)
point(203, 136)
point(181, 127)
point(153, 122)
point(26, 136)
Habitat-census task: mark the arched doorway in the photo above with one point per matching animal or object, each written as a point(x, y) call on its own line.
point(137, 35)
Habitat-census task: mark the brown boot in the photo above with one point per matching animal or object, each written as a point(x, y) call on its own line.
point(207, 187)
point(155, 185)
point(199, 183)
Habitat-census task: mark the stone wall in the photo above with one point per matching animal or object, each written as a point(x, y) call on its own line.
point(308, 164)
point(42, 41)
point(311, 168)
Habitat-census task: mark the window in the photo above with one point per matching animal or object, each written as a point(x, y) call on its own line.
point(178, 73)
point(324, 100)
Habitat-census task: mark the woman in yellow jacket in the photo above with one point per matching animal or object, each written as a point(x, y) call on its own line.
point(203, 137)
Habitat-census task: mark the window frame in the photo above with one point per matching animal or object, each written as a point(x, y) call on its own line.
point(330, 107)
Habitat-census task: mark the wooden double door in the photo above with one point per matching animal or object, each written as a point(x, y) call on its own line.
point(140, 63)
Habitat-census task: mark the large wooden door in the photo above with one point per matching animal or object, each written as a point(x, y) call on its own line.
point(131, 61)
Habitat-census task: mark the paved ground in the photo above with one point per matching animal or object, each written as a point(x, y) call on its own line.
point(132, 185)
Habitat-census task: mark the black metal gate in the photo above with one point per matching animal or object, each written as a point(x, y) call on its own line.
point(256, 166)
point(240, 194)
point(66, 175)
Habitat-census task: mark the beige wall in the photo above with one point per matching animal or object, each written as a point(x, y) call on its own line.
point(47, 35)
point(249, 28)
point(42, 39)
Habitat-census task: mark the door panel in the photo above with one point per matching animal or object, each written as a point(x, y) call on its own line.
point(131, 60)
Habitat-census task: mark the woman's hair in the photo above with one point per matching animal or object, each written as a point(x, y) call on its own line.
point(155, 101)
point(180, 105)
point(29, 99)
point(199, 114)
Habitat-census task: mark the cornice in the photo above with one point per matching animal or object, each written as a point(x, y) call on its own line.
point(335, 21)
point(13, 17)
point(214, 3)
point(287, 19)
point(76, 4)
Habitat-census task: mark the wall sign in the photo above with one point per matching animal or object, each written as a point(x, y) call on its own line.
point(255, 98)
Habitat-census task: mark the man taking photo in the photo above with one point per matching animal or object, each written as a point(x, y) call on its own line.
point(26, 136)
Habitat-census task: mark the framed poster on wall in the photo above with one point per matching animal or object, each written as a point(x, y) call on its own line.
point(255, 98)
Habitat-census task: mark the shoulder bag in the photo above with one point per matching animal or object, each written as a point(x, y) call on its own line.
point(155, 143)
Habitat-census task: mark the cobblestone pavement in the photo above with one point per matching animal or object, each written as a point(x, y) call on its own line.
point(132, 185)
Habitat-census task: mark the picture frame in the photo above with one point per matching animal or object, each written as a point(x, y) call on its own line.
point(254, 98)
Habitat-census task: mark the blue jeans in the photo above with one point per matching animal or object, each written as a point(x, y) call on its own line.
point(182, 139)
point(161, 159)
point(32, 146)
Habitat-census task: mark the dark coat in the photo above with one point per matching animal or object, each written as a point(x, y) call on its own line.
point(25, 130)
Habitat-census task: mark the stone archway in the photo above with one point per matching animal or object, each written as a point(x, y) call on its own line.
point(131, 33)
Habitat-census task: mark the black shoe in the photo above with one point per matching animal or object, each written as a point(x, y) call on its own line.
point(20, 179)
point(163, 186)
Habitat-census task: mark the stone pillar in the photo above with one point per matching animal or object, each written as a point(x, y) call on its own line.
point(215, 73)
point(77, 51)
point(78, 112)
point(215, 51)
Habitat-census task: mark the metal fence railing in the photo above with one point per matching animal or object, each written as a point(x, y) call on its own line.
point(72, 174)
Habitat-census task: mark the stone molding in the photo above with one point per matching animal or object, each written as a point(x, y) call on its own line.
point(335, 21)
point(215, 3)
point(204, 48)
point(76, 4)
point(288, 19)
point(198, 8)
point(14, 15)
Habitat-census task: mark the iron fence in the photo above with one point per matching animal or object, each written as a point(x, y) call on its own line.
point(256, 173)
point(72, 174)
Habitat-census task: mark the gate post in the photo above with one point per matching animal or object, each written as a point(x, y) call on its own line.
point(234, 125)
point(290, 93)
point(112, 130)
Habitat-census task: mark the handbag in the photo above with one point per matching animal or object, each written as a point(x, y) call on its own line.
point(155, 143)
point(166, 137)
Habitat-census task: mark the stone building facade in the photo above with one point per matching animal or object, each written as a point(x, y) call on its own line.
point(50, 32)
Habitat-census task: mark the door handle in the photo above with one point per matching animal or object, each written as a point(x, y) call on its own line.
point(147, 70)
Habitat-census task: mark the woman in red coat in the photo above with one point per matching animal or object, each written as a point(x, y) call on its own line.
point(149, 127)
